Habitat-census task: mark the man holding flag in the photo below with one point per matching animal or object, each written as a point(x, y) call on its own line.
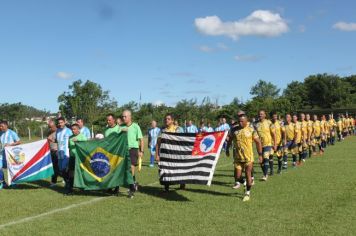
point(8, 137)
point(76, 137)
point(62, 138)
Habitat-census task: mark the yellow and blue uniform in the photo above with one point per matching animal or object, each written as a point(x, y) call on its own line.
point(243, 142)
point(264, 132)
point(278, 129)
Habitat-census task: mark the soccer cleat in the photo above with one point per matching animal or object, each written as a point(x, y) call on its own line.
point(152, 165)
point(131, 194)
point(294, 164)
point(279, 171)
point(264, 178)
point(246, 198)
point(271, 173)
point(285, 165)
point(236, 186)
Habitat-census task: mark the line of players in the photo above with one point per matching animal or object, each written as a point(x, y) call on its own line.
point(298, 136)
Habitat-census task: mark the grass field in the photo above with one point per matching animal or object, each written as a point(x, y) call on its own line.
point(317, 198)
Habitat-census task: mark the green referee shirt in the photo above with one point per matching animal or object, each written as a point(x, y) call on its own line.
point(111, 130)
point(134, 134)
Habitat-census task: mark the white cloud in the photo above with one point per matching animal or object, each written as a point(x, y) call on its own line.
point(345, 26)
point(258, 23)
point(64, 75)
point(247, 58)
point(205, 48)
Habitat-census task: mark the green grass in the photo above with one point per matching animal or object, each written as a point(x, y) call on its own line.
point(318, 198)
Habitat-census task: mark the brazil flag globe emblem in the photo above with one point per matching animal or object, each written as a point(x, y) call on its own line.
point(100, 163)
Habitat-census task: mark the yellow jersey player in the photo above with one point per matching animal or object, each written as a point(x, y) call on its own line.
point(339, 128)
point(298, 137)
point(310, 133)
point(267, 137)
point(345, 125)
point(243, 139)
point(317, 135)
point(290, 141)
point(280, 139)
point(324, 132)
point(304, 142)
point(353, 125)
point(332, 129)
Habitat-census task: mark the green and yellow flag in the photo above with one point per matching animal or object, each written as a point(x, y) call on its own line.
point(103, 164)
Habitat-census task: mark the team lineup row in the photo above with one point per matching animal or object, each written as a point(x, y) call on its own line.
point(295, 135)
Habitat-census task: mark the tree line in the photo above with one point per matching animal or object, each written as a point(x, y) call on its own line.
point(322, 91)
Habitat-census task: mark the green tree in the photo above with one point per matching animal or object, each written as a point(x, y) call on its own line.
point(264, 89)
point(86, 100)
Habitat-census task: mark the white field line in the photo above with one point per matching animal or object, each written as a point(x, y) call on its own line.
point(72, 206)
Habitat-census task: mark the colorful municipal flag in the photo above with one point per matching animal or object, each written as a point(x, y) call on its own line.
point(103, 164)
point(28, 162)
point(189, 158)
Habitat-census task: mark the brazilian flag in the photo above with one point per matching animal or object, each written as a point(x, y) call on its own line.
point(103, 164)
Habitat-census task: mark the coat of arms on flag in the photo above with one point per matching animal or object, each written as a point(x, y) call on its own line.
point(28, 162)
point(189, 158)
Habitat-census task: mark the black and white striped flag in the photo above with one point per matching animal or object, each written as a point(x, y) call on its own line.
point(189, 158)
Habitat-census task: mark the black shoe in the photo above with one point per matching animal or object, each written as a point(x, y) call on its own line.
point(131, 194)
point(115, 192)
point(279, 171)
point(68, 193)
point(182, 187)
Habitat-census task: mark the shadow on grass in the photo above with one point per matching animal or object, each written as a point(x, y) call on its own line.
point(213, 193)
point(158, 192)
point(42, 184)
point(231, 175)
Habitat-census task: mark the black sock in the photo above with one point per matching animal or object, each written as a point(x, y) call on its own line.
point(285, 158)
point(279, 163)
point(265, 166)
point(294, 158)
point(134, 178)
point(271, 165)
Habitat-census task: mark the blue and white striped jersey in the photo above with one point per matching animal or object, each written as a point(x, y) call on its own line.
point(153, 134)
point(62, 138)
point(209, 129)
point(86, 132)
point(191, 129)
point(223, 127)
point(7, 137)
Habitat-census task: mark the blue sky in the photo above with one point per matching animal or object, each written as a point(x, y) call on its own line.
point(169, 50)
